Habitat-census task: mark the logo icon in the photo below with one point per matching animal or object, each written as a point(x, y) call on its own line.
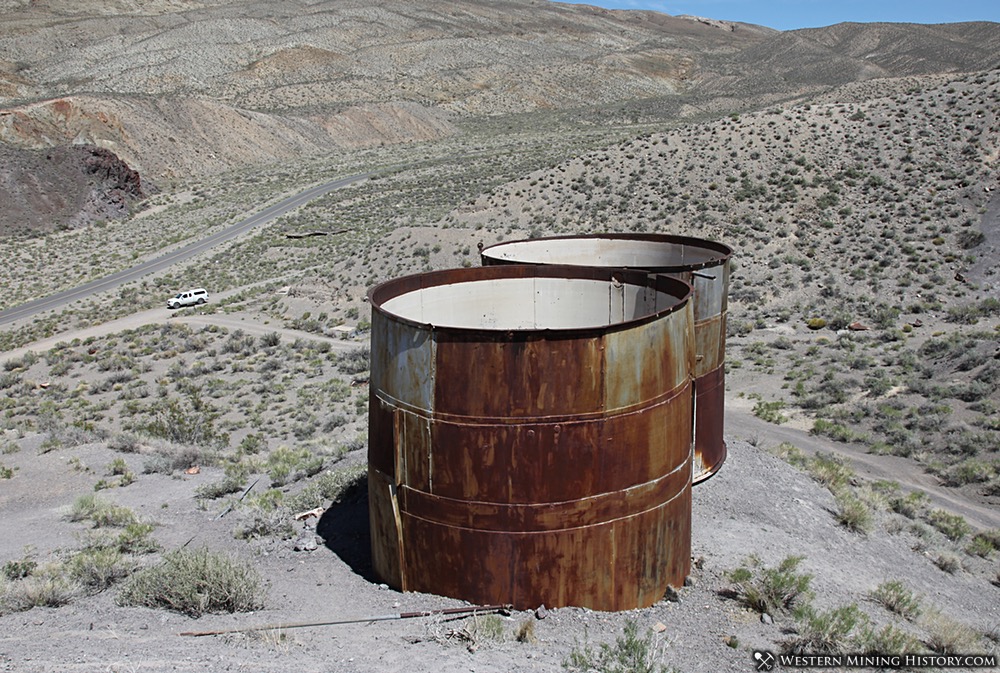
point(764, 659)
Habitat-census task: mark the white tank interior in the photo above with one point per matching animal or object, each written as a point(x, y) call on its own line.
point(603, 252)
point(529, 304)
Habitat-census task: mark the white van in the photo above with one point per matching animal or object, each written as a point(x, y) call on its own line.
point(188, 298)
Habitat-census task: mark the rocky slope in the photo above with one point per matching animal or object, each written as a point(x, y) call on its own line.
point(63, 187)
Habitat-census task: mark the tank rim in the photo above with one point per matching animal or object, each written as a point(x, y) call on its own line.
point(383, 292)
point(723, 250)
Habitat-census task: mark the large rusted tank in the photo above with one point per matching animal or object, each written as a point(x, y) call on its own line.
point(701, 263)
point(530, 433)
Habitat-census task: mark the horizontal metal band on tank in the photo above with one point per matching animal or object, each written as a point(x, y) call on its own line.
point(534, 463)
point(557, 419)
point(550, 516)
point(620, 565)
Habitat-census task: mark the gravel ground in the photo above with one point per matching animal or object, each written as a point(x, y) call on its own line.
point(756, 504)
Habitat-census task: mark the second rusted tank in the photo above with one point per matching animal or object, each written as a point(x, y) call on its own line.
point(701, 263)
point(529, 437)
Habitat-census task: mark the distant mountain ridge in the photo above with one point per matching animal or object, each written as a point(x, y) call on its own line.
point(189, 87)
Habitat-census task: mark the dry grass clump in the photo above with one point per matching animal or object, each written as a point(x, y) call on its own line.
point(46, 586)
point(947, 636)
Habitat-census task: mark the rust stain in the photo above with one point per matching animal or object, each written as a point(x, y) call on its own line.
point(703, 264)
point(547, 465)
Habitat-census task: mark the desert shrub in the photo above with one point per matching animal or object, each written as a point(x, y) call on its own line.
point(770, 590)
point(887, 640)
point(240, 342)
point(326, 488)
point(85, 506)
point(355, 362)
point(979, 546)
point(19, 568)
point(791, 454)
point(835, 431)
point(486, 628)
point(946, 636)
point(195, 582)
point(253, 444)
point(770, 411)
point(631, 653)
point(909, 505)
point(831, 471)
point(98, 568)
point(953, 526)
point(525, 631)
point(190, 423)
point(124, 442)
point(969, 471)
point(852, 513)
point(948, 562)
point(234, 482)
point(988, 538)
point(119, 468)
point(831, 632)
point(168, 457)
point(217, 489)
point(114, 516)
point(264, 519)
point(286, 465)
point(45, 588)
point(895, 597)
point(136, 538)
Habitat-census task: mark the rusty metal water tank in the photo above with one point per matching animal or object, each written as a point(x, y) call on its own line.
point(530, 435)
point(701, 263)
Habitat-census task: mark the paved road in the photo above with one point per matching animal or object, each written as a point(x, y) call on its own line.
point(115, 280)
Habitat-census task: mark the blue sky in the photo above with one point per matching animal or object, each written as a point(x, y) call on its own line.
point(789, 14)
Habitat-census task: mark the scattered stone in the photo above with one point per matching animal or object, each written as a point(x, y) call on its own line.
point(305, 543)
point(659, 627)
point(541, 612)
point(672, 595)
point(766, 618)
point(690, 581)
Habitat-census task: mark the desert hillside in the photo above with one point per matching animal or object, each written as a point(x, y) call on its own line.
point(187, 88)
